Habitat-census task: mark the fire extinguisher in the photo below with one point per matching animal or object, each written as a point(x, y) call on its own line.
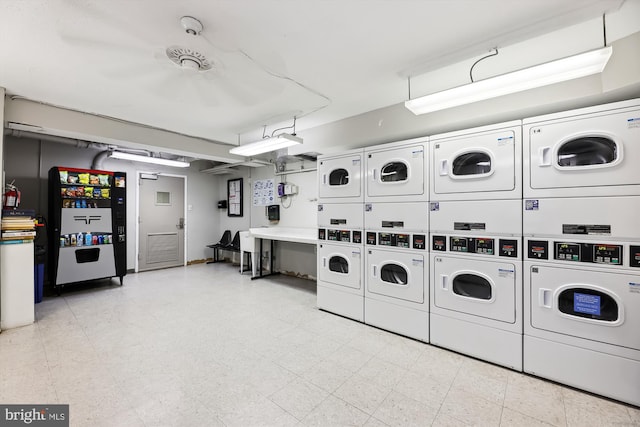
point(11, 196)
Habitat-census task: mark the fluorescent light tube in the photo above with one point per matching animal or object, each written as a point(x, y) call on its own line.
point(570, 68)
point(265, 145)
point(148, 159)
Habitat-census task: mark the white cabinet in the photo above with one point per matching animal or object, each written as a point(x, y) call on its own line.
point(16, 285)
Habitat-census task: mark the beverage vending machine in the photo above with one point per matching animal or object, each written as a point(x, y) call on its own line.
point(87, 223)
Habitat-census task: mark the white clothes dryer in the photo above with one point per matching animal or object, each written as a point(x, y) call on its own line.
point(340, 177)
point(587, 152)
point(582, 311)
point(582, 294)
point(479, 163)
point(340, 283)
point(396, 268)
point(476, 279)
point(397, 171)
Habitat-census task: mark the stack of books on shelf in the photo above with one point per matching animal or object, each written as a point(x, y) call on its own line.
point(18, 225)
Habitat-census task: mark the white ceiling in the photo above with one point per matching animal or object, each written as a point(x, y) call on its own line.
point(319, 60)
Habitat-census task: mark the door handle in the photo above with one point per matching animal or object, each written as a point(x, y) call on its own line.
point(443, 168)
point(544, 298)
point(444, 281)
point(180, 224)
point(324, 179)
point(545, 158)
point(374, 174)
point(373, 270)
point(324, 262)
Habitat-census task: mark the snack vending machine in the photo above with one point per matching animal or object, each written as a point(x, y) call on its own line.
point(87, 222)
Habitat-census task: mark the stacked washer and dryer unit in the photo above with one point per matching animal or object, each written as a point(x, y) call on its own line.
point(340, 234)
point(396, 220)
point(475, 237)
point(581, 218)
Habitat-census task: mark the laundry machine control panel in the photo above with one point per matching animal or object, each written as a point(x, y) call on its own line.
point(596, 253)
point(476, 245)
point(398, 240)
point(347, 236)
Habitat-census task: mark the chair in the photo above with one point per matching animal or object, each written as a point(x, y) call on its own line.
point(225, 240)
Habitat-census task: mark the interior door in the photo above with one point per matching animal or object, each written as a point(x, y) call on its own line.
point(480, 163)
point(161, 222)
point(478, 288)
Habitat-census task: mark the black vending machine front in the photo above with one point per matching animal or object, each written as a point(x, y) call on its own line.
point(87, 225)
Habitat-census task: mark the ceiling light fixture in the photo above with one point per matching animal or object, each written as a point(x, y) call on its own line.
point(272, 143)
point(561, 70)
point(147, 159)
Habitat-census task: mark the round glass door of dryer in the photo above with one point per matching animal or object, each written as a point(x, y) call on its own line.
point(339, 177)
point(471, 164)
point(472, 286)
point(394, 273)
point(587, 151)
point(394, 172)
point(339, 264)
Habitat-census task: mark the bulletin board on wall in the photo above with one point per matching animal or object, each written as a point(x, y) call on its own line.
point(234, 197)
point(263, 192)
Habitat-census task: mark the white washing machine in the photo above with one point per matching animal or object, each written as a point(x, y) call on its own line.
point(340, 284)
point(397, 172)
point(479, 163)
point(582, 295)
point(588, 152)
point(340, 177)
point(396, 268)
point(476, 279)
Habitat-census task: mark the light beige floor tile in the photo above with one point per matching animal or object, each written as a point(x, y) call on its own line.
point(335, 412)
point(584, 410)
point(511, 418)
point(634, 413)
point(443, 420)
point(471, 409)
point(382, 372)
point(402, 352)
point(536, 398)
point(439, 364)
point(349, 358)
point(482, 379)
point(400, 410)
point(374, 422)
point(423, 388)
point(203, 345)
point(327, 375)
point(299, 397)
point(262, 412)
point(297, 361)
point(362, 393)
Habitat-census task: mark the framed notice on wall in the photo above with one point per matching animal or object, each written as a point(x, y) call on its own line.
point(263, 194)
point(234, 197)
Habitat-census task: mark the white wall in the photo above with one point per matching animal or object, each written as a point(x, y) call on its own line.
point(28, 162)
point(297, 211)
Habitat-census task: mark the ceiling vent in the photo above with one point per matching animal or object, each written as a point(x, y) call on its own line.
point(189, 59)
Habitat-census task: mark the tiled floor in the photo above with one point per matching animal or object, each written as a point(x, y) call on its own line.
point(204, 346)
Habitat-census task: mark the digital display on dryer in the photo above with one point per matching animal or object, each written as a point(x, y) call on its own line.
point(483, 246)
point(607, 254)
point(439, 243)
point(567, 251)
point(459, 244)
